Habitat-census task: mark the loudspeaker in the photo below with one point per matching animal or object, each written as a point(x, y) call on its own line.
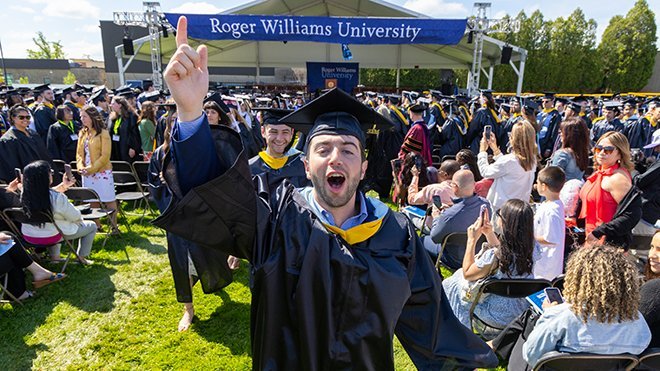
point(506, 54)
point(128, 46)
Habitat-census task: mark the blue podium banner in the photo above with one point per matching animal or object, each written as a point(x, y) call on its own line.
point(321, 75)
point(339, 30)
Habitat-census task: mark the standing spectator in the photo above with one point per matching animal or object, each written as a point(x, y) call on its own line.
point(93, 160)
point(20, 145)
point(122, 125)
point(513, 173)
point(649, 184)
point(609, 209)
point(457, 218)
point(509, 256)
point(573, 157)
point(550, 224)
point(485, 115)
point(63, 135)
point(147, 126)
point(38, 197)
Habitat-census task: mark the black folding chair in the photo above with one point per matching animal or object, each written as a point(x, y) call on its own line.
point(7, 297)
point(558, 282)
point(457, 239)
point(141, 170)
point(121, 166)
point(83, 196)
point(18, 215)
point(122, 177)
point(649, 360)
point(506, 287)
point(555, 361)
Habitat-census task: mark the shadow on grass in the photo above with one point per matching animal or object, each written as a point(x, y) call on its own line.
point(89, 289)
point(228, 325)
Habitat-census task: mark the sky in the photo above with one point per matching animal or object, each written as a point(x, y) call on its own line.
point(75, 23)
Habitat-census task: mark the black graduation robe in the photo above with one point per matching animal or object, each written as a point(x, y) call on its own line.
point(603, 126)
point(382, 146)
point(639, 132)
point(44, 117)
point(318, 302)
point(213, 272)
point(74, 110)
point(505, 130)
point(450, 136)
point(62, 142)
point(17, 150)
point(126, 137)
point(293, 170)
point(549, 122)
point(475, 132)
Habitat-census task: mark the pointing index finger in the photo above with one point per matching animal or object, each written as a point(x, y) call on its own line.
point(182, 31)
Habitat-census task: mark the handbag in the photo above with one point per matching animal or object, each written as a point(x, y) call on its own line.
point(470, 290)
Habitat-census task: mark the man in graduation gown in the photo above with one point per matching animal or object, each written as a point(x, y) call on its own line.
point(62, 140)
point(507, 126)
point(485, 115)
point(417, 138)
point(548, 120)
point(20, 146)
point(451, 132)
point(639, 132)
point(609, 122)
point(44, 114)
point(278, 161)
point(335, 274)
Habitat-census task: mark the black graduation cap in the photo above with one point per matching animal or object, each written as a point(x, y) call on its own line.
point(336, 113)
point(167, 105)
point(529, 105)
point(580, 99)
point(41, 88)
point(98, 93)
point(562, 100)
point(630, 102)
point(548, 95)
point(506, 107)
point(371, 94)
point(271, 116)
point(612, 105)
point(437, 94)
point(152, 96)
point(23, 90)
point(575, 106)
point(394, 98)
point(652, 100)
point(418, 107)
point(487, 92)
point(217, 98)
point(462, 98)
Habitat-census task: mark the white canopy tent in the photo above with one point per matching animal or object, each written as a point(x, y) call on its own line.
point(232, 53)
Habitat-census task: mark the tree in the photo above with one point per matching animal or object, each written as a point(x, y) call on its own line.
point(628, 49)
point(69, 79)
point(45, 49)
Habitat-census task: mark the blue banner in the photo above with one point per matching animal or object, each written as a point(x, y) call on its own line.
point(340, 30)
point(321, 75)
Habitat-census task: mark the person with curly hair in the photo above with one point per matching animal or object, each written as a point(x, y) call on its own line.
point(600, 313)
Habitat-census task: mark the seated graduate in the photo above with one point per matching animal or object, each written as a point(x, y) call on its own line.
point(335, 273)
point(279, 160)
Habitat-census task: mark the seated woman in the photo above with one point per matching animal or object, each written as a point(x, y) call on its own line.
point(600, 313)
point(650, 292)
point(38, 197)
point(509, 256)
point(13, 260)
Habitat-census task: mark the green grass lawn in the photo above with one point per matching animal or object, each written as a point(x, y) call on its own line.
point(122, 314)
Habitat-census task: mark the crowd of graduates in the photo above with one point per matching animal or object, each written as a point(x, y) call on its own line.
point(488, 149)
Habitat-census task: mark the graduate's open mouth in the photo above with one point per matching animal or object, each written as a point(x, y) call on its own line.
point(336, 181)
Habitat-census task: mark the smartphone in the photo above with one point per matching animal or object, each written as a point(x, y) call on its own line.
point(396, 165)
point(482, 213)
point(68, 173)
point(419, 163)
point(437, 202)
point(19, 175)
point(488, 129)
point(553, 294)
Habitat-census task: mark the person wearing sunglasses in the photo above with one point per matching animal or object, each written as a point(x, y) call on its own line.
point(611, 207)
point(20, 145)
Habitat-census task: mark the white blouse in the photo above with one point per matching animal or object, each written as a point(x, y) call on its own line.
point(510, 179)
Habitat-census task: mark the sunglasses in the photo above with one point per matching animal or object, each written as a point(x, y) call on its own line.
point(22, 117)
point(607, 149)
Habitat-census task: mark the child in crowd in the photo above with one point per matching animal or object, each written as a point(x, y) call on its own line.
point(550, 224)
